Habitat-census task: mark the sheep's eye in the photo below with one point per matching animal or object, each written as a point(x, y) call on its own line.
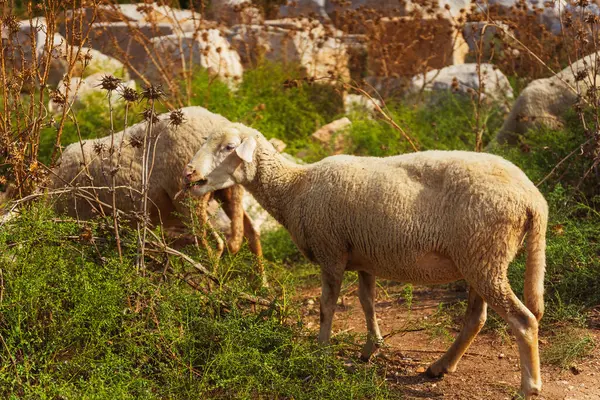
point(230, 147)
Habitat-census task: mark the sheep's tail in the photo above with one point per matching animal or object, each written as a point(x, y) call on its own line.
point(535, 266)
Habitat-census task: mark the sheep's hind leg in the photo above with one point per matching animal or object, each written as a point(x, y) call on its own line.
point(474, 320)
point(366, 294)
point(331, 285)
point(523, 324)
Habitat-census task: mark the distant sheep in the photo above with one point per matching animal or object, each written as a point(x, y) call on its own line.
point(89, 163)
point(430, 217)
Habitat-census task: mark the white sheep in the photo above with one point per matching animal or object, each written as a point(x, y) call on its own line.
point(429, 217)
point(90, 164)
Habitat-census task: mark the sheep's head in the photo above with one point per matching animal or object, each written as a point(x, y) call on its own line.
point(220, 161)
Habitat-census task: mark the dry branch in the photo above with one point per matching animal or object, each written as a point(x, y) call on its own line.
point(163, 248)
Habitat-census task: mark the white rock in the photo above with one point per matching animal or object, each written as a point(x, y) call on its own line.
point(123, 41)
point(545, 101)
point(359, 102)
point(395, 8)
point(550, 14)
point(333, 131)
point(278, 144)
point(30, 41)
point(93, 62)
point(208, 48)
point(493, 36)
point(5, 218)
point(121, 20)
point(465, 78)
point(318, 49)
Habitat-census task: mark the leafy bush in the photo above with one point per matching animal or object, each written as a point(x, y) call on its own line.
point(263, 102)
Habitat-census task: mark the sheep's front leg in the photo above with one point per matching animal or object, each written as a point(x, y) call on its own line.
point(231, 202)
point(366, 294)
point(253, 237)
point(330, 291)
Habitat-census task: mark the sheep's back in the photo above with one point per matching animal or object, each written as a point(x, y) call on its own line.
point(393, 210)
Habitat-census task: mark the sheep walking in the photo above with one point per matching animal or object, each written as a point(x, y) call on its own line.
point(91, 163)
point(430, 217)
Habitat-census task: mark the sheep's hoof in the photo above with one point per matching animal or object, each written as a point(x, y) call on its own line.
point(530, 391)
point(370, 348)
point(435, 373)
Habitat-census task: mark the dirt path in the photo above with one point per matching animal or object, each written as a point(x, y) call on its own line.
point(490, 369)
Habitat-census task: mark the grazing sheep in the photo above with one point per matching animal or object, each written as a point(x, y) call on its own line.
point(174, 146)
point(429, 217)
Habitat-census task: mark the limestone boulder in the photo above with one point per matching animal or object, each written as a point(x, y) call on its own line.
point(358, 102)
point(31, 48)
point(123, 31)
point(346, 14)
point(278, 144)
point(331, 136)
point(207, 48)
point(488, 38)
point(545, 101)
point(549, 13)
point(180, 20)
point(129, 42)
point(319, 49)
point(466, 79)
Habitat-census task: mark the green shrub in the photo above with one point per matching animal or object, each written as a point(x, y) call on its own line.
point(445, 124)
point(263, 102)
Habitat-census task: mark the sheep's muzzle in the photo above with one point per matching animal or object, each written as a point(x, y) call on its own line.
point(200, 182)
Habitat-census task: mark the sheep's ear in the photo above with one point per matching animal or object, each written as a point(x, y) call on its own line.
point(246, 149)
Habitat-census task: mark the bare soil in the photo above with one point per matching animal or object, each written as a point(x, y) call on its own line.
point(416, 337)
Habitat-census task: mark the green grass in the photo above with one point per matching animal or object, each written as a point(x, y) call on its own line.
point(78, 323)
point(568, 346)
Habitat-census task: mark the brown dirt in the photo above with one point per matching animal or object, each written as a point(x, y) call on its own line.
point(489, 370)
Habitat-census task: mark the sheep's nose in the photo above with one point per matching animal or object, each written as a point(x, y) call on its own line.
point(189, 172)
